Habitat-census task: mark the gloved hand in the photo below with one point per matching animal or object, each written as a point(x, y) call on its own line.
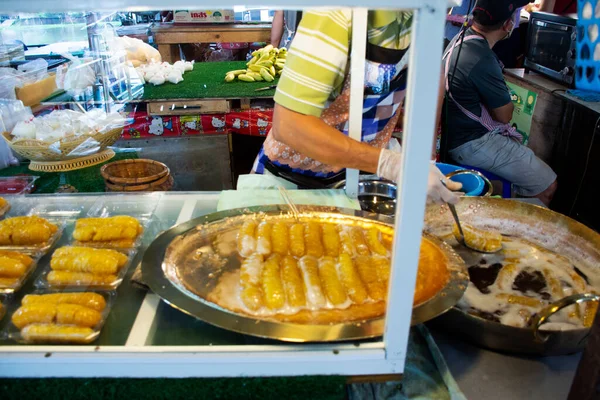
point(389, 168)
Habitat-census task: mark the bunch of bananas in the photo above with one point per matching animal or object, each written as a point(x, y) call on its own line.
point(265, 65)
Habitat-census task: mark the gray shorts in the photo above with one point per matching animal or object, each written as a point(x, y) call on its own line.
point(507, 159)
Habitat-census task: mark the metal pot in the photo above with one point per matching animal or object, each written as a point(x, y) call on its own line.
point(567, 237)
point(379, 195)
point(374, 195)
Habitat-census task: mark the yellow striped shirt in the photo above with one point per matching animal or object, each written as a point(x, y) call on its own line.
point(317, 61)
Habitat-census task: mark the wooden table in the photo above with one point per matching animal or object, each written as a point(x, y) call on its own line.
point(168, 36)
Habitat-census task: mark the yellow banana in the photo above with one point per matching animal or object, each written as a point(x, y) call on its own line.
point(245, 78)
point(266, 75)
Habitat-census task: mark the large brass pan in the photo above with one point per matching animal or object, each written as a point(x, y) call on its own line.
point(542, 227)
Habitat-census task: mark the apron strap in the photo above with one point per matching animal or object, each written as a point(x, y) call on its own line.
point(485, 119)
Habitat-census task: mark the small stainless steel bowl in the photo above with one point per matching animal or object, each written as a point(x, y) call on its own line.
point(375, 195)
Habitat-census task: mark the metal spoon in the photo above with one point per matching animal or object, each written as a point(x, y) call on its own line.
point(460, 230)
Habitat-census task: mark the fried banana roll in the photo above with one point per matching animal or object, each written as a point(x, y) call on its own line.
point(272, 286)
point(292, 282)
point(246, 241)
point(250, 274)
point(332, 286)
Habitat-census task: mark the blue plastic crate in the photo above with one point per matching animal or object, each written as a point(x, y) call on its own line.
point(587, 74)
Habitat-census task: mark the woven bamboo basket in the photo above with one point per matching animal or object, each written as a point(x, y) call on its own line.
point(136, 175)
point(39, 150)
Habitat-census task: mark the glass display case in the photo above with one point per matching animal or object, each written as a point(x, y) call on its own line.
point(142, 335)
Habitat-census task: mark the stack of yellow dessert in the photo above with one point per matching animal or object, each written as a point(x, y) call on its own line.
point(117, 232)
point(85, 266)
point(26, 231)
point(59, 317)
point(13, 267)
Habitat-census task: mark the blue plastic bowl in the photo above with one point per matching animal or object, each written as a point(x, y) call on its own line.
point(473, 185)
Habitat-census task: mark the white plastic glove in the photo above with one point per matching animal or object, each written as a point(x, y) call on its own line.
point(389, 168)
point(436, 191)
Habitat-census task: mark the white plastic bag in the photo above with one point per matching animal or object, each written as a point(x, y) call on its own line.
point(78, 77)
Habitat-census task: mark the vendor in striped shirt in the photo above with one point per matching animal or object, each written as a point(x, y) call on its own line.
point(309, 141)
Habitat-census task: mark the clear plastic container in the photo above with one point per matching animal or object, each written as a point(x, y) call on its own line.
point(14, 287)
point(139, 207)
point(42, 281)
point(58, 209)
point(41, 248)
point(17, 184)
point(11, 332)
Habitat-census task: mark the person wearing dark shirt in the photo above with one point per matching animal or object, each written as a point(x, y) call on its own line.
point(480, 107)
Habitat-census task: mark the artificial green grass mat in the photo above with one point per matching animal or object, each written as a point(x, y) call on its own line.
point(296, 388)
point(85, 180)
point(207, 80)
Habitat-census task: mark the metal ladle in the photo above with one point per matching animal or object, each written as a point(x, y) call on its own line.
point(460, 230)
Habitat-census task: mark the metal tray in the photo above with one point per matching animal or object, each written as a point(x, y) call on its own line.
point(163, 279)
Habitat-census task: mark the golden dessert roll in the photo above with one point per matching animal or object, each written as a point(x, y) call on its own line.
point(107, 229)
point(309, 266)
point(68, 314)
point(506, 276)
point(91, 300)
point(23, 258)
point(11, 267)
point(382, 269)
point(20, 231)
point(589, 313)
point(362, 249)
point(68, 278)
point(578, 282)
point(312, 239)
point(346, 243)
point(41, 313)
point(280, 240)
point(9, 282)
point(74, 314)
point(555, 286)
point(368, 274)
point(297, 247)
point(332, 287)
point(56, 333)
point(246, 241)
point(3, 202)
point(86, 259)
point(272, 286)
point(351, 280)
point(263, 238)
point(331, 240)
point(479, 239)
point(522, 300)
point(31, 234)
point(373, 236)
point(250, 274)
point(292, 282)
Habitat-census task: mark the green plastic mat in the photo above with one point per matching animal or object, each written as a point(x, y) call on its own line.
point(85, 180)
point(298, 388)
point(207, 80)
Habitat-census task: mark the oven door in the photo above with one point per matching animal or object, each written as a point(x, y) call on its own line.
point(551, 49)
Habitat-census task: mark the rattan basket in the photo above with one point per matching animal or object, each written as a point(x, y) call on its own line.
point(39, 150)
point(136, 175)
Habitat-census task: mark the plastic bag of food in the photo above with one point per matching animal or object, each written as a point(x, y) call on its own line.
point(78, 77)
point(138, 52)
point(33, 71)
point(88, 147)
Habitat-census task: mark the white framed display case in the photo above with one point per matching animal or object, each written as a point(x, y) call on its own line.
point(151, 340)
